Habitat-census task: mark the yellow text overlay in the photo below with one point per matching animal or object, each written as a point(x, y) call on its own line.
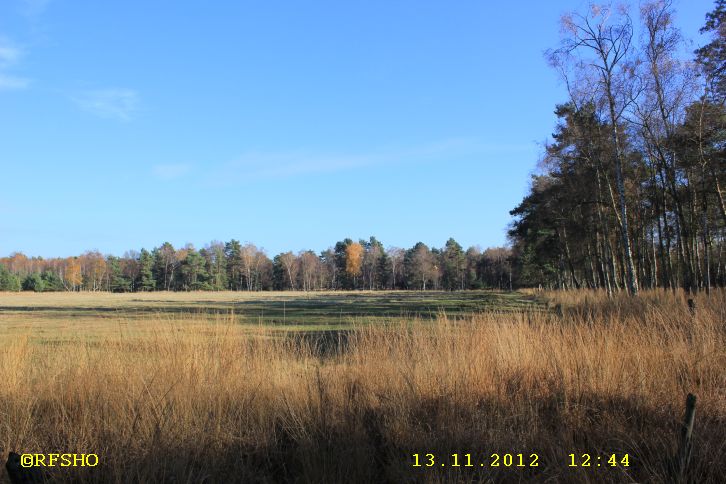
point(59, 460)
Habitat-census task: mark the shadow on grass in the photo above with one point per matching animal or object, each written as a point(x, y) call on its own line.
point(363, 444)
point(308, 308)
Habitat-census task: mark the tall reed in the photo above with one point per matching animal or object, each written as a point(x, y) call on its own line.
point(208, 400)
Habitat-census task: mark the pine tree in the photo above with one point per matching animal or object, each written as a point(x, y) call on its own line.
point(8, 280)
point(117, 282)
point(146, 281)
point(33, 282)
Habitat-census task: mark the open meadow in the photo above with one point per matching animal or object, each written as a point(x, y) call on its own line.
point(235, 387)
point(95, 314)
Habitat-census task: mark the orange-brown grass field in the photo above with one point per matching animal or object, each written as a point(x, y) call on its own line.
point(162, 391)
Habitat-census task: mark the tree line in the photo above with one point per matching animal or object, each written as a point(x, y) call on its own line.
point(629, 192)
point(365, 264)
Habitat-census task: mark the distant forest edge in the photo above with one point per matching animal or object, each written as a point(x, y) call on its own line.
point(628, 195)
point(233, 266)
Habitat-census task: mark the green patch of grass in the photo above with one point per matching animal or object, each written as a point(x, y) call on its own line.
point(94, 315)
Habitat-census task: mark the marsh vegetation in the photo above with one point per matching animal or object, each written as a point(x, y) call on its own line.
point(196, 396)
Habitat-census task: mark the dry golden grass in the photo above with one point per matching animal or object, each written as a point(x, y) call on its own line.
point(205, 400)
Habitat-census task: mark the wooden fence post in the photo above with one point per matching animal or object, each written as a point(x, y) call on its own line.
point(558, 310)
point(692, 306)
point(20, 474)
point(685, 444)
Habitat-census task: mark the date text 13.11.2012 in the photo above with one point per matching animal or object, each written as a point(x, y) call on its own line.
point(467, 460)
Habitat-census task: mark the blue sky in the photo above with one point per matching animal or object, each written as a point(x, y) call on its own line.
point(287, 124)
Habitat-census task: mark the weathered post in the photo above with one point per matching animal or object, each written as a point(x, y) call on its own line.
point(692, 306)
point(685, 444)
point(19, 474)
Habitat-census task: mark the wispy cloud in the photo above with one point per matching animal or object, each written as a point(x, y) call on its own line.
point(10, 55)
point(256, 166)
point(115, 103)
point(285, 164)
point(34, 8)
point(12, 82)
point(171, 171)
